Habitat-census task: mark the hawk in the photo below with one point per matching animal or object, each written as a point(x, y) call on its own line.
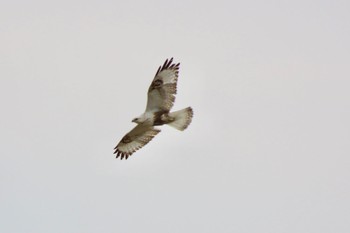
point(161, 97)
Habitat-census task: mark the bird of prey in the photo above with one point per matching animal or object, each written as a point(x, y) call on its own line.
point(161, 97)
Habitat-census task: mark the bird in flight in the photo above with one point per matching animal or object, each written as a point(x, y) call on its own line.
point(161, 97)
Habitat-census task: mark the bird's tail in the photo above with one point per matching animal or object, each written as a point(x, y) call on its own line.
point(182, 118)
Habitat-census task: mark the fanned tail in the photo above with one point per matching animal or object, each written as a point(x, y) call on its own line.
point(182, 117)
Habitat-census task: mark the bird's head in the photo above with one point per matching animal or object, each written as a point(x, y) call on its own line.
point(139, 120)
point(136, 120)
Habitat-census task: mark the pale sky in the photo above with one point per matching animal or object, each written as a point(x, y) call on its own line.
point(268, 148)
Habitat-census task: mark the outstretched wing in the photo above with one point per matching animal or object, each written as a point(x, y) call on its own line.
point(161, 93)
point(134, 140)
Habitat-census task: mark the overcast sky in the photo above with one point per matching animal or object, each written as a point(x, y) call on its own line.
point(268, 148)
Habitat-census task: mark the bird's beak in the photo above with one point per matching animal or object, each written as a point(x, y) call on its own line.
point(134, 120)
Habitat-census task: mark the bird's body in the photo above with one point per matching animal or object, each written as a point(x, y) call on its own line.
point(161, 97)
